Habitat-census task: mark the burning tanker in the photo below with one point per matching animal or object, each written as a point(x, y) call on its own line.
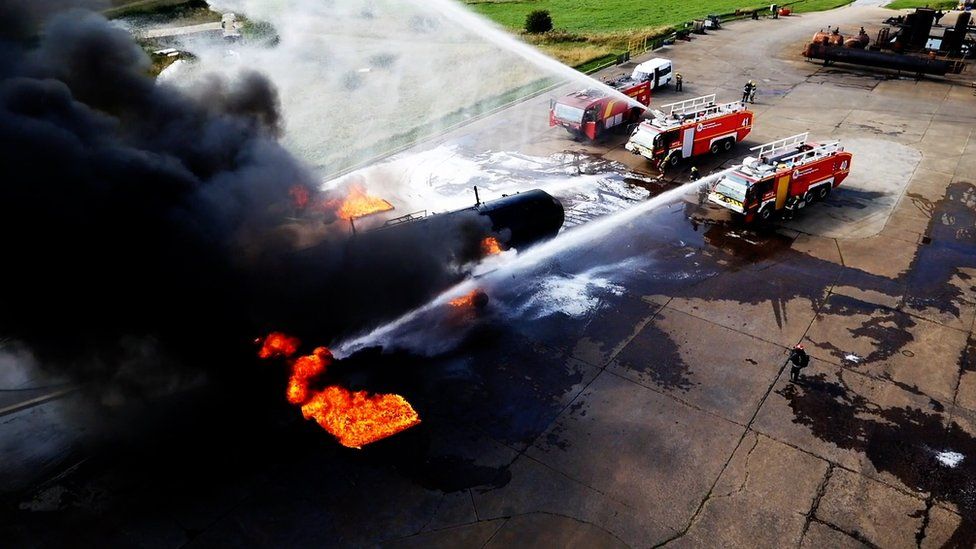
point(517, 221)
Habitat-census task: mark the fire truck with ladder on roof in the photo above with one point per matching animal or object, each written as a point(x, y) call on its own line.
point(784, 176)
point(690, 128)
point(591, 113)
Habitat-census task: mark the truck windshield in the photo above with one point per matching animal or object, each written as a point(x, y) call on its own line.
point(644, 137)
point(733, 186)
point(569, 114)
point(640, 76)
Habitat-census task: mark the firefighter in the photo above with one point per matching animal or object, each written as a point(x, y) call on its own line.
point(799, 360)
point(745, 91)
point(668, 159)
point(677, 82)
point(752, 91)
point(695, 175)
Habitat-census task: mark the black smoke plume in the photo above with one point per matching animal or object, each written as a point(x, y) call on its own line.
point(142, 226)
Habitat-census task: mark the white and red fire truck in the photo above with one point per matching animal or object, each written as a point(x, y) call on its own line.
point(784, 176)
point(591, 113)
point(689, 128)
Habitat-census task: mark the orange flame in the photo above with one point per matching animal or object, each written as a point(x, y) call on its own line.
point(299, 194)
point(358, 418)
point(490, 246)
point(277, 345)
point(470, 299)
point(355, 418)
point(357, 204)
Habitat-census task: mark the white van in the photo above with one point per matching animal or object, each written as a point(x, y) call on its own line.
point(657, 71)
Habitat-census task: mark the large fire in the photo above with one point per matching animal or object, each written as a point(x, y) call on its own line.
point(490, 246)
point(355, 418)
point(357, 204)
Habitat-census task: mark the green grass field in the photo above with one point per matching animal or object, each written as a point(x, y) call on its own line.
point(588, 30)
point(595, 16)
point(934, 4)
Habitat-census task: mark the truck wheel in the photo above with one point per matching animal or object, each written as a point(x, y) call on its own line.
point(728, 144)
point(765, 214)
point(675, 160)
point(715, 147)
point(823, 192)
point(805, 201)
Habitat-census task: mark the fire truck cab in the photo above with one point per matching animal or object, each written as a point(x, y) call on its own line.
point(591, 113)
point(784, 176)
point(689, 128)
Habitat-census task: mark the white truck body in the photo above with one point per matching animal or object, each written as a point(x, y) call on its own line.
point(657, 71)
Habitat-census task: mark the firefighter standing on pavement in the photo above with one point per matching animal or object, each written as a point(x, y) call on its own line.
point(752, 91)
point(746, 90)
point(677, 82)
point(799, 360)
point(695, 176)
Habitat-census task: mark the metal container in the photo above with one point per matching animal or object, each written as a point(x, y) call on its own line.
point(908, 63)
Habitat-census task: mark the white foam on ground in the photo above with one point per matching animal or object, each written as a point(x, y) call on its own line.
point(572, 295)
point(852, 358)
point(950, 459)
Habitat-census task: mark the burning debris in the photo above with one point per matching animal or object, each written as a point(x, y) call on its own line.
point(358, 204)
point(491, 246)
point(476, 299)
point(354, 418)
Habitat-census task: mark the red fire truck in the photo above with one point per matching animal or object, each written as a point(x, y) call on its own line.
point(592, 112)
point(784, 176)
point(689, 128)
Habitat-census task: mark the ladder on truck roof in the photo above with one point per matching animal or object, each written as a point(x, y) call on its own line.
point(768, 161)
point(802, 157)
point(785, 143)
point(697, 103)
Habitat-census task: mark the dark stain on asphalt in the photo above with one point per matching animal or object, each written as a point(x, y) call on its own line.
point(653, 356)
point(902, 441)
point(886, 328)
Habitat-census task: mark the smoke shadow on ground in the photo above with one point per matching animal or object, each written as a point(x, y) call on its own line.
point(902, 441)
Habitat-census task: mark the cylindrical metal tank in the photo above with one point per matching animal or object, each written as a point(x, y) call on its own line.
point(526, 217)
point(519, 220)
point(909, 63)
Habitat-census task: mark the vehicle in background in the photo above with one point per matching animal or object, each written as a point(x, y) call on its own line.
point(689, 128)
point(592, 112)
point(785, 175)
point(658, 72)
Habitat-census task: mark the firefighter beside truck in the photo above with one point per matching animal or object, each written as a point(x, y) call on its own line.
point(592, 112)
point(784, 176)
point(689, 128)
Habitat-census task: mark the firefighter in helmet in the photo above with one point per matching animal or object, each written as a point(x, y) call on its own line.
point(745, 91)
point(695, 174)
point(669, 159)
point(677, 82)
point(752, 91)
point(799, 360)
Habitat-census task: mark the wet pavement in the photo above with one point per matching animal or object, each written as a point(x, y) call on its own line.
point(629, 388)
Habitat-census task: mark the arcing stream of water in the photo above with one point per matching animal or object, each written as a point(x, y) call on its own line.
point(388, 335)
point(499, 37)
